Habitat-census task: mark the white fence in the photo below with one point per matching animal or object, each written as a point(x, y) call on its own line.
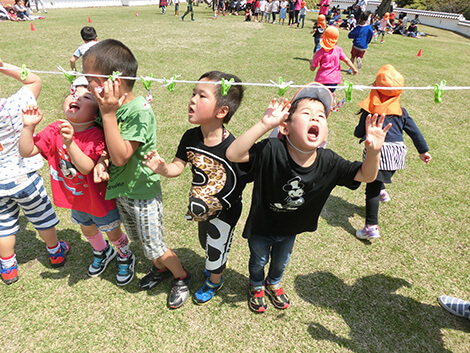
point(444, 20)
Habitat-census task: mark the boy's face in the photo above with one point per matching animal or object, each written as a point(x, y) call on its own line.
point(93, 82)
point(202, 107)
point(80, 107)
point(307, 127)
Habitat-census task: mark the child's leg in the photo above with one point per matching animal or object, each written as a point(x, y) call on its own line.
point(260, 250)
point(373, 202)
point(280, 255)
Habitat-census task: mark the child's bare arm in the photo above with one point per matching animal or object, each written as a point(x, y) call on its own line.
point(32, 115)
point(33, 82)
point(73, 61)
point(276, 114)
point(80, 160)
point(120, 150)
point(158, 165)
point(375, 137)
point(425, 157)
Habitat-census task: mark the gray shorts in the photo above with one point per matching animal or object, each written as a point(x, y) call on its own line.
point(142, 220)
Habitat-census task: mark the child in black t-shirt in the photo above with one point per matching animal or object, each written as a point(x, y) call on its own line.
point(292, 181)
point(217, 185)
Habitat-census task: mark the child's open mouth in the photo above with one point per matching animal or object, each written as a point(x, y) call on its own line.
point(73, 107)
point(313, 133)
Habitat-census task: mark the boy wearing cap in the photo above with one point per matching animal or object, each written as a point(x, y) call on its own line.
point(292, 181)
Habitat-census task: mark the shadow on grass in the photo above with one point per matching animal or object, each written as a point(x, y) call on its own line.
point(337, 213)
point(302, 59)
point(378, 319)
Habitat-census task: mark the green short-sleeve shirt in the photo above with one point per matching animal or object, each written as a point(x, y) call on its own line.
point(136, 122)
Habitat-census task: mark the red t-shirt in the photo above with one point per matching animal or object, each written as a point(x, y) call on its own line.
point(70, 188)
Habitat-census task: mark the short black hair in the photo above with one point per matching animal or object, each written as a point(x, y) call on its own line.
point(296, 103)
point(88, 33)
point(112, 55)
point(234, 95)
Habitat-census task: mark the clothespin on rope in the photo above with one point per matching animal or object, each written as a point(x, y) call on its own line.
point(24, 72)
point(438, 91)
point(113, 76)
point(69, 75)
point(348, 91)
point(170, 84)
point(147, 83)
point(283, 86)
point(226, 86)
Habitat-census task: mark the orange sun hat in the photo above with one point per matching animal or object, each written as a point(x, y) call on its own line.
point(321, 21)
point(329, 38)
point(386, 15)
point(381, 101)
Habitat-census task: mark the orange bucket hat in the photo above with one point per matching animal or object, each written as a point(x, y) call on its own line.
point(329, 38)
point(380, 101)
point(321, 21)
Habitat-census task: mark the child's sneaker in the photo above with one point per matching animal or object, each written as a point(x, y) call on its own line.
point(154, 277)
point(278, 297)
point(359, 63)
point(179, 292)
point(207, 291)
point(101, 260)
point(368, 232)
point(382, 41)
point(257, 301)
point(125, 270)
point(384, 196)
point(10, 274)
point(58, 259)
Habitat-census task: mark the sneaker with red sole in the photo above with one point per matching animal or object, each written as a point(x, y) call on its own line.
point(10, 274)
point(279, 299)
point(368, 232)
point(58, 259)
point(257, 301)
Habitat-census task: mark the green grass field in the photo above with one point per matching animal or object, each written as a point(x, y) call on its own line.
point(347, 295)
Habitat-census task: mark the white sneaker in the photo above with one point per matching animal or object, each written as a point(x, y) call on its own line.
point(368, 232)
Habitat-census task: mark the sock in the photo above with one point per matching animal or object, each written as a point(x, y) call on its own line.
point(122, 246)
point(54, 250)
point(8, 261)
point(97, 242)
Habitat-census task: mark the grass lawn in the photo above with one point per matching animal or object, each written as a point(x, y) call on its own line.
point(347, 295)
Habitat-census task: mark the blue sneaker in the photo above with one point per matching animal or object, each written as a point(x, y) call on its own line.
point(101, 260)
point(58, 259)
point(456, 306)
point(125, 270)
point(207, 291)
point(10, 274)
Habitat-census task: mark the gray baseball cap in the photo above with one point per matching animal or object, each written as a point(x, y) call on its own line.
point(316, 91)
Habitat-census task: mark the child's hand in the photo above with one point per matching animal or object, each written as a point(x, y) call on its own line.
point(354, 71)
point(32, 116)
point(276, 113)
point(108, 99)
point(66, 131)
point(154, 162)
point(425, 157)
point(375, 135)
point(100, 173)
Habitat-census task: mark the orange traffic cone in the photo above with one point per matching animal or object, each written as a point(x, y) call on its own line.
point(89, 19)
point(32, 27)
point(136, 14)
point(420, 53)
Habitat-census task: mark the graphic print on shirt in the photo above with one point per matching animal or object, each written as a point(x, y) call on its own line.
point(295, 190)
point(209, 179)
point(69, 171)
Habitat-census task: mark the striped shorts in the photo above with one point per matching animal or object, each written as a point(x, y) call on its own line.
point(28, 193)
point(392, 156)
point(142, 220)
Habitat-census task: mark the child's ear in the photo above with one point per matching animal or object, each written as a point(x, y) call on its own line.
point(283, 129)
point(223, 111)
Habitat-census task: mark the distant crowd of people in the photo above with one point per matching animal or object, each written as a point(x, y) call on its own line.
point(21, 11)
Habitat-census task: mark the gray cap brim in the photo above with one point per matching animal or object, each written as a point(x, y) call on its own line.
point(316, 91)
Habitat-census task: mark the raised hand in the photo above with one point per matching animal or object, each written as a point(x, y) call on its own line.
point(375, 134)
point(32, 116)
point(108, 97)
point(276, 113)
point(66, 131)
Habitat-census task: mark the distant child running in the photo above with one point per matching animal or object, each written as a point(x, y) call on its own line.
point(317, 31)
point(72, 148)
point(21, 187)
point(393, 152)
point(215, 200)
point(130, 132)
point(361, 36)
point(189, 9)
point(382, 26)
point(90, 38)
point(327, 60)
point(293, 179)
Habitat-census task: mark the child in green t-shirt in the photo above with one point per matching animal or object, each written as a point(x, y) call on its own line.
point(130, 132)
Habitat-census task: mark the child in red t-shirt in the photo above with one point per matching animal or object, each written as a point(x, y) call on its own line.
point(72, 146)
